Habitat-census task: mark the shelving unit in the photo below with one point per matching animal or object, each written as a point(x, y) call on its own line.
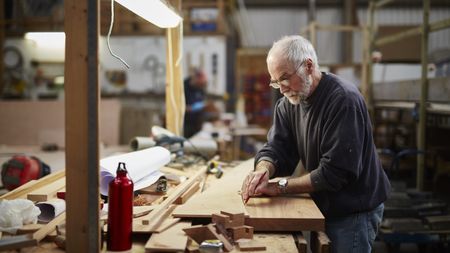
point(424, 30)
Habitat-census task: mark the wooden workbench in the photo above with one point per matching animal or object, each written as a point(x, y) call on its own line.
point(287, 216)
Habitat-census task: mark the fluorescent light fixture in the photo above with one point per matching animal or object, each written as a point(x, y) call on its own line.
point(157, 12)
point(47, 39)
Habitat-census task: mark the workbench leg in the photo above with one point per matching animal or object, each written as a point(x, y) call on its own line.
point(319, 242)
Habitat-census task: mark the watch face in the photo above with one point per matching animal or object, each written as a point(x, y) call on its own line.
point(282, 182)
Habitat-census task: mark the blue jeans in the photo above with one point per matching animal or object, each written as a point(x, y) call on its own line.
point(354, 233)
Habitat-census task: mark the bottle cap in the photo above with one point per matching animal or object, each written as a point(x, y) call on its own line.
point(121, 167)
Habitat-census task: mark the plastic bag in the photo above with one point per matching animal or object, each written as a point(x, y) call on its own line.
point(16, 213)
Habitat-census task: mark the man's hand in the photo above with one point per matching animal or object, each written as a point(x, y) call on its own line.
point(254, 183)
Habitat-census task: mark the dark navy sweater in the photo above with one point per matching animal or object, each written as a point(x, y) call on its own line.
point(331, 134)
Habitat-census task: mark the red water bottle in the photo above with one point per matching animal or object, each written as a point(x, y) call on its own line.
point(120, 211)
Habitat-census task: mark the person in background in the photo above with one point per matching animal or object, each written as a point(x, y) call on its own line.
point(323, 122)
point(194, 91)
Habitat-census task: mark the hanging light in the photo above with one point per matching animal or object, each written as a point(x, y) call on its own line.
point(157, 12)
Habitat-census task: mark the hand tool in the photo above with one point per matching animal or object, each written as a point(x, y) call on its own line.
point(20, 169)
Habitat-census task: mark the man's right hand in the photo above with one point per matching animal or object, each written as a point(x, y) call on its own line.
point(255, 180)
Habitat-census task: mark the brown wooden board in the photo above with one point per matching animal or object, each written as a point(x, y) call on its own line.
point(273, 243)
point(289, 213)
point(171, 240)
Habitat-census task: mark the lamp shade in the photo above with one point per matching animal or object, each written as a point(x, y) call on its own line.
point(155, 11)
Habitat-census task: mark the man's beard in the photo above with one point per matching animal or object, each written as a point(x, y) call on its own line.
point(295, 97)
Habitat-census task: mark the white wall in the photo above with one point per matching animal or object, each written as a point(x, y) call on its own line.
point(142, 76)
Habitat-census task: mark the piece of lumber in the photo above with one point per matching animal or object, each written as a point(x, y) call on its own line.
point(29, 228)
point(279, 242)
point(139, 211)
point(185, 196)
point(146, 219)
point(23, 190)
point(22, 241)
point(174, 89)
point(167, 223)
point(154, 216)
point(141, 224)
point(48, 191)
point(284, 213)
point(49, 227)
point(199, 233)
point(241, 232)
point(320, 243)
point(171, 240)
point(300, 240)
point(82, 96)
point(17, 242)
point(251, 246)
point(227, 245)
point(228, 219)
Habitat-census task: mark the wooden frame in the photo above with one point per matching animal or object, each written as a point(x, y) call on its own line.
point(424, 29)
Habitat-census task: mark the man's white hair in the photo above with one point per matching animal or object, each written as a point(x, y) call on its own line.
point(295, 49)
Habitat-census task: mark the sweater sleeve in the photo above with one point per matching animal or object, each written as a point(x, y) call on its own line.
point(280, 148)
point(341, 147)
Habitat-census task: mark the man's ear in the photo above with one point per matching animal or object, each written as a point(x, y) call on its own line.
point(309, 65)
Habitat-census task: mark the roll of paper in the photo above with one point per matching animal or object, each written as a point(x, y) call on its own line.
point(142, 142)
point(142, 166)
point(50, 209)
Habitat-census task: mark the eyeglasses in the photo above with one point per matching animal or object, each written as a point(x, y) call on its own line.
point(276, 84)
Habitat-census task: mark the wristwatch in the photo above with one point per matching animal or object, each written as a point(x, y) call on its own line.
point(282, 185)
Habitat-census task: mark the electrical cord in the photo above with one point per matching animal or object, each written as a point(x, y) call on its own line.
point(109, 35)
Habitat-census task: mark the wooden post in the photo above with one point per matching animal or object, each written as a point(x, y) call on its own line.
point(421, 140)
point(369, 74)
point(175, 101)
point(313, 34)
point(347, 38)
point(365, 64)
point(81, 110)
point(2, 41)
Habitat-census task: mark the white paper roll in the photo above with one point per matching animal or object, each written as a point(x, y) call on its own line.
point(50, 209)
point(142, 166)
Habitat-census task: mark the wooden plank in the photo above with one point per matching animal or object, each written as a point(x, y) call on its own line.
point(251, 245)
point(49, 227)
point(48, 191)
point(81, 125)
point(171, 240)
point(288, 213)
point(22, 241)
point(29, 228)
point(162, 217)
point(274, 242)
point(17, 242)
point(23, 190)
point(154, 216)
point(167, 223)
point(185, 196)
point(139, 211)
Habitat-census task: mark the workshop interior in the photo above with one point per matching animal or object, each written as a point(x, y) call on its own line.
point(131, 125)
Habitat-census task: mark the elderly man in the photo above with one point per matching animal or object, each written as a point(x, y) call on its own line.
point(322, 122)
